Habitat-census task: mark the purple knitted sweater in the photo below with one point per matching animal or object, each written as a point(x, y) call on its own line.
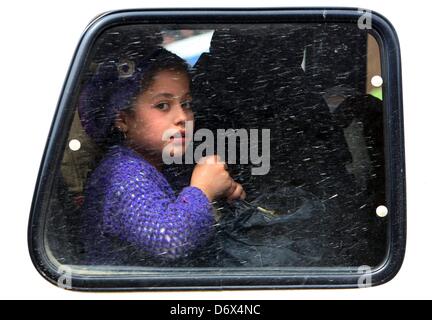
point(130, 209)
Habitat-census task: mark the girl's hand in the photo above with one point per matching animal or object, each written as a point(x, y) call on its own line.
point(210, 175)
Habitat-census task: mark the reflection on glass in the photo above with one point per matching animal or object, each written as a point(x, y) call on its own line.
point(309, 86)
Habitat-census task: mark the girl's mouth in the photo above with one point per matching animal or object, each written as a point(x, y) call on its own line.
point(179, 139)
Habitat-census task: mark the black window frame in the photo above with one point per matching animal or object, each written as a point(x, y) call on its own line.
point(234, 279)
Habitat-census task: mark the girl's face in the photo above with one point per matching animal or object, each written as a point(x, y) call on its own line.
point(159, 112)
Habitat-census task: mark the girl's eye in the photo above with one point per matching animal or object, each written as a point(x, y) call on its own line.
point(162, 106)
point(187, 104)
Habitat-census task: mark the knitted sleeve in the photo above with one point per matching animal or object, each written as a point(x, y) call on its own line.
point(141, 212)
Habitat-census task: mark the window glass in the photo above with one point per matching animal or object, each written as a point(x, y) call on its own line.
point(294, 113)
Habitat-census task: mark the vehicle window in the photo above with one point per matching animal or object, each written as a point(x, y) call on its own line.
point(238, 147)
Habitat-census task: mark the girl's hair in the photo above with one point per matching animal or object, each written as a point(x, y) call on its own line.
point(115, 87)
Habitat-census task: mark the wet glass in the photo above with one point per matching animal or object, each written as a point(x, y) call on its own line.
point(296, 110)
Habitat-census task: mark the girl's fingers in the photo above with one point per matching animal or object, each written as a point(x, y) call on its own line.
point(237, 193)
point(232, 188)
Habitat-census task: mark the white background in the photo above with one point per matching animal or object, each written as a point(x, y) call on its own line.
point(38, 39)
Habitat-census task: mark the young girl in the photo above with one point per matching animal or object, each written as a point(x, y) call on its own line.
point(132, 215)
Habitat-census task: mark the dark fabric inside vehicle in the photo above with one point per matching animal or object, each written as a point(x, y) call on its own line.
point(254, 79)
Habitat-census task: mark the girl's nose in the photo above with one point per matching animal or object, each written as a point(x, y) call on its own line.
point(181, 115)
